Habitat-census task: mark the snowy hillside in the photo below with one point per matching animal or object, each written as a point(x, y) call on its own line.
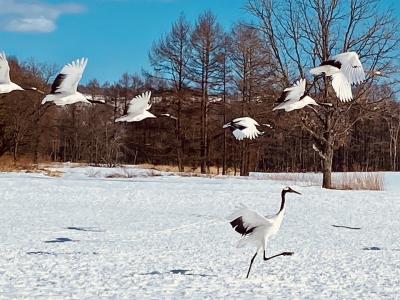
point(84, 236)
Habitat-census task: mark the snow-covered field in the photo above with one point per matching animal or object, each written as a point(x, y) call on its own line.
point(85, 236)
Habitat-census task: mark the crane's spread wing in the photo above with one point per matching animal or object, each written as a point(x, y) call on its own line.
point(238, 134)
point(294, 92)
point(291, 95)
point(351, 67)
point(139, 104)
point(342, 87)
point(251, 132)
point(248, 133)
point(245, 220)
point(245, 122)
point(4, 69)
point(67, 81)
point(245, 127)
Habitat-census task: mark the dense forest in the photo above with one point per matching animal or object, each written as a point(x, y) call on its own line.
point(205, 75)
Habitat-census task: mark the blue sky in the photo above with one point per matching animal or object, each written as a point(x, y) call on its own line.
point(114, 34)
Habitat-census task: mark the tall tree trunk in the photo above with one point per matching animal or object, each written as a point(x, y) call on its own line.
point(181, 167)
point(15, 152)
point(327, 167)
point(203, 144)
point(244, 159)
point(224, 166)
point(203, 139)
point(180, 145)
point(36, 136)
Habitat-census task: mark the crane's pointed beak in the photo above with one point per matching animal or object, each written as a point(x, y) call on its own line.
point(293, 191)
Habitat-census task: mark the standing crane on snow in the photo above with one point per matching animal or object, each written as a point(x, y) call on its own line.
point(257, 229)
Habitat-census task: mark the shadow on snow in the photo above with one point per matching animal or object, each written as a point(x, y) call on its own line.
point(179, 272)
point(61, 240)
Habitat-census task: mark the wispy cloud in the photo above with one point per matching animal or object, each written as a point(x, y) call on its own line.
point(140, 1)
point(33, 16)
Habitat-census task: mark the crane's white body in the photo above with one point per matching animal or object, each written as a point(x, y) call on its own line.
point(6, 88)
point(138, 109)
point(64, 89)
point(295, 98)
point(135, 118)
point(307, 100)
point(6, 85)
point(266, 227)
point(244, 127)
point(66, 99)
point(346, 70)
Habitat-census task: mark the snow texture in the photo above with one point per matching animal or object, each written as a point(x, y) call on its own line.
point(85, 236)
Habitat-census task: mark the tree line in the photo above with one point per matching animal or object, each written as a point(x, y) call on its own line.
point(204, 75)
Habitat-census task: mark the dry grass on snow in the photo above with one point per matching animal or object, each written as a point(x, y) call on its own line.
point(359, 181)
point(372, 181)
point(188, 170)
point(302, 179)
point(129, 174)
point(7, 164)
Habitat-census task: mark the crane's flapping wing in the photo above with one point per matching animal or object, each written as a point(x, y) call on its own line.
point(351, 67)
point(291, 94)
point(67, 81)
point(238, 134)
point(4, 69)
point(139, 104)
point(294, 92)
point(251, 132)
point(342, 87)
point(245, 128)
point(245, 122)
point(245, 220)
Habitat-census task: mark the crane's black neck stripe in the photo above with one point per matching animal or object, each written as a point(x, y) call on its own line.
point(283, 200)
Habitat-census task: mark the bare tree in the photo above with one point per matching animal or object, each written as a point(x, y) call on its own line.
point(252, 74)
point(230, 75)
point(304, 33)
point(207, 40)
point(170, 57)
point(226, 84)
point(125, 85)
point(392, 118)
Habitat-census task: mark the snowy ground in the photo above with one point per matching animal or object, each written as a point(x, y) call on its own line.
point(87, 236)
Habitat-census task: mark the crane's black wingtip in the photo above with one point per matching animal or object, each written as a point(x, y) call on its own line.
point(240, 227)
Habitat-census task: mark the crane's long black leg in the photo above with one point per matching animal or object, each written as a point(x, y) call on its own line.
point(251, 263)
point(283, 253)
